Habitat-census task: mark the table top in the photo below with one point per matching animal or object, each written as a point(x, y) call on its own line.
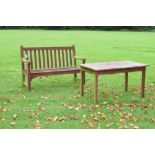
point(102, 66)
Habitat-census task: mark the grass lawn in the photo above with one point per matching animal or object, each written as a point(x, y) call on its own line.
point(55, 102)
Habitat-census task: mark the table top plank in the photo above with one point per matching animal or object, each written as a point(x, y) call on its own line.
point(104, 66)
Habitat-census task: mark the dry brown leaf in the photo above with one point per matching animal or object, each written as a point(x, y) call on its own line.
point(44, 97)
point(75, 117)
point(91, 123)
point(62, 118)
point(4, 110)
point(122, 120)
point(121, 127)
point(135, 119)
point(34, 115)
point(37, 125)
point(41, 108)
point(14, 117)
point(108, 125)
point(153, 120)
point(136, 127)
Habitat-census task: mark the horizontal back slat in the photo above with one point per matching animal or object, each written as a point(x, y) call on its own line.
point(49, 57)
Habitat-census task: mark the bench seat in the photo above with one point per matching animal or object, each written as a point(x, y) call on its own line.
point(54, 71)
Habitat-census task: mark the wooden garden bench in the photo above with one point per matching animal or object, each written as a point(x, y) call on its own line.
point(45, 61)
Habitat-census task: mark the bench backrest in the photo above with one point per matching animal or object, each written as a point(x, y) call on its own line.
point(49, 57)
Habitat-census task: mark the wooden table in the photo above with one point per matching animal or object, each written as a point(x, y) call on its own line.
point(112, 68)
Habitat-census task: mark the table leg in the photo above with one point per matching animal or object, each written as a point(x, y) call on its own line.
point(126, 81)
point(143, 82)
point(96, 89)
point(82, 83)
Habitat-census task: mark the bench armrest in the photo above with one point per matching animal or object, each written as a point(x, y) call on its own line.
point(80, 58)
point(25, 61)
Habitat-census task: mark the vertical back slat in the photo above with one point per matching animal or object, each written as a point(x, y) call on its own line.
point(55, 58)
point(51, 56)
point(66, 57)
point(63, 60)
point(35, 59)
point(22, 56)
point(59, 59)
point(39, 58)
point(31, 59)
point(47, 57)
point(26, 52)
point(70, 56)
point(43, 55)
point(73, 48)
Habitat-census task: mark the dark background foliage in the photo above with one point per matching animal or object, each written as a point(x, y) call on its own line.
point(107, 28)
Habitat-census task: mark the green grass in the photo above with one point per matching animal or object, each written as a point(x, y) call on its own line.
point(57, 96)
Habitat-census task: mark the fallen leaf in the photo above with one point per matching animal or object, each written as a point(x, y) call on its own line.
point(108, 125)
point(34, 115)
point(135, 119)
point(41, 108)
point(136, 127)
point(37, 125)
point(44, 97)
point(62, 118)
point(75, 117)
point(14, 117)
point(91, 124)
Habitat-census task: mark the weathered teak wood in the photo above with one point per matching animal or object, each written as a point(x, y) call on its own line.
point(45, 61)
point(112, 68)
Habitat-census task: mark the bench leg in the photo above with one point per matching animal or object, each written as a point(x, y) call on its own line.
point(75, 77)
point(23, 80)
point(126, 82)
point(29, 82)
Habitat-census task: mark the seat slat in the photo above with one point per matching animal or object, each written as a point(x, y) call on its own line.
point(72, 69)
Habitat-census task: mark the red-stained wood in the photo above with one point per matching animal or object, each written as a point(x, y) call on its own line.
point(44, 61)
